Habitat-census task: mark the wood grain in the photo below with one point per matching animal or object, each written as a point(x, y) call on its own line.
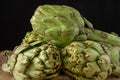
point(7, 76)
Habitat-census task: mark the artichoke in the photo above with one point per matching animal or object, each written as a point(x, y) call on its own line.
point(56, 22)
point(86, 60)
point(37, 60)
point(115, 58)
point(60, 37)
point(62, 24)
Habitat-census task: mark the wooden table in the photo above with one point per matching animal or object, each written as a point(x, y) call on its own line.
point(7, 76)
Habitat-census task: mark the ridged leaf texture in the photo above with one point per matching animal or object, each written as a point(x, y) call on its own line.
point(57, 22)
point(86, 60)
point(34, 61)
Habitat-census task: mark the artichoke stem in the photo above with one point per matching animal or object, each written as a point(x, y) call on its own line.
point(101, 36)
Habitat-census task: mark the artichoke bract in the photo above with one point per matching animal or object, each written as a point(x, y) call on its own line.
point(31, 37)
point(34, 61)
point(115, 58)
point(86, 60)
point(58, 23)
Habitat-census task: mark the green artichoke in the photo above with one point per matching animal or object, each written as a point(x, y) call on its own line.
point(115, 58)
point(86, 60)
point(58, 23)
point(62, 24)
point(60, 37)
point(34, 61)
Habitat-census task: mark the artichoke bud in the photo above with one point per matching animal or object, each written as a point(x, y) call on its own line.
point(34, 61)
point(86, 61)
point(56, 22)
point(115, 58)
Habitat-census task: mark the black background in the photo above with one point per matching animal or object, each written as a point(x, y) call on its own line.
point(15, 16)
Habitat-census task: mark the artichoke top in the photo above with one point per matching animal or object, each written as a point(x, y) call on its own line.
point(58, 23)
point(87, 60)
point(37, 60)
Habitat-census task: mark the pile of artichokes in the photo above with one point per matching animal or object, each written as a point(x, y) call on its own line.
point(63, 40)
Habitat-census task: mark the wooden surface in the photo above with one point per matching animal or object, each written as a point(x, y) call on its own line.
point(4, 75)
point(7, 76)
